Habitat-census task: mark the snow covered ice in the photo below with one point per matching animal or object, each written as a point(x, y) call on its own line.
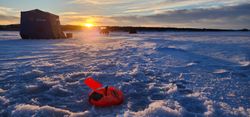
point(161, 74)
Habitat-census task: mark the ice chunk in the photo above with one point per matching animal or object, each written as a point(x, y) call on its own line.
point(191, 64)
point(26, 110)
point(171, 88)
point(2, 91)
point(3, 100)
point(210, 108)
point(48, 81)
point(245, 63)
point(59, 90)
point(158, 109)
point(220, 71)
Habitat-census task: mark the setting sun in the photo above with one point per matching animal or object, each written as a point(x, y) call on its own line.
point(89, 25)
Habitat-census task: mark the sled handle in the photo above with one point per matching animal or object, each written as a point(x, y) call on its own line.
point(93, 84)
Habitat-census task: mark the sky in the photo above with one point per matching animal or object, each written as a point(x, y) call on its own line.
point(223, 14)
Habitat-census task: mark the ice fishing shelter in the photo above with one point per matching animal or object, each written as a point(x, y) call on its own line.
point(37, 24)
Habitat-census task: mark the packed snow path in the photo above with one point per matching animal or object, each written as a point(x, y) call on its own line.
point(161, 74)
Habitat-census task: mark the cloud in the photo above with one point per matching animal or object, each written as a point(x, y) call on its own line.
point(101, 2)
point(69, 13)
point(223, 17)
point(6, 18)
point(138, 7)
point(6, 10)
point(219, 17)
point(161, 5)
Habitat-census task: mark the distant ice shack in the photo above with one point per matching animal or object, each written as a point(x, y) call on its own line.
point(37, 24)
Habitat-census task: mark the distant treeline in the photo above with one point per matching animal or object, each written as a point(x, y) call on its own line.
point(12, 27)
point(158, 29)
point(15, 27)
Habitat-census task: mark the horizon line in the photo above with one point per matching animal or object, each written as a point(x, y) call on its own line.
point(145, 27)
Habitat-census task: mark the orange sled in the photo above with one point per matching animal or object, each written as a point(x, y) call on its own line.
point(103, 96)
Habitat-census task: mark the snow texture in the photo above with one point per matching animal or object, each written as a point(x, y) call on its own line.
point(161, 74)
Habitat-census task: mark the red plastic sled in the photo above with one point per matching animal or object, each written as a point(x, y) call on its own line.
point(103, 96)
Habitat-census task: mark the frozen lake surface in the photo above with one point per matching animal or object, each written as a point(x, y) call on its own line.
point(160, 73)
